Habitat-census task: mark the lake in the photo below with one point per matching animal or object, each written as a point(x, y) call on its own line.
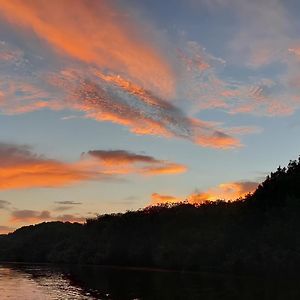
point(35, 282)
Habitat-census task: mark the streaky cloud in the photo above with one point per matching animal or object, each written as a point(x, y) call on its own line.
point(21, 168)
point(107, 37)
point(125, 162)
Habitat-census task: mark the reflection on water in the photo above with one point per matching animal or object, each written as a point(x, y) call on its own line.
point(33, 282)
point(37, 282)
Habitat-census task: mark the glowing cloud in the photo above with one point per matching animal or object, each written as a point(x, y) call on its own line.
point(132, 87)
point(119, 101)
point(226, 191)
point(22, 168)
point(159, 199)
point(107, 37)
point(124, 162)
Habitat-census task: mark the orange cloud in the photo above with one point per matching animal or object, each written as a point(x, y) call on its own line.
point(124, 77)
point(21, 168)
point(17, 97)
point(217, 139)
point(145, 114)
point(124, 162)
point(225, 191)
point(159, 199)
point(128, 54)
point(107, 37)
point(121, 157)
point(164, 167)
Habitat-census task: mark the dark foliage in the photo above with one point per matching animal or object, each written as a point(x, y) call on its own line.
point(260, 233)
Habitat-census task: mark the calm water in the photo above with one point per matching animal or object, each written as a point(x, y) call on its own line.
point(32, 282)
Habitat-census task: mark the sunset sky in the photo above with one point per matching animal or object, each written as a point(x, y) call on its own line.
point(108, 106)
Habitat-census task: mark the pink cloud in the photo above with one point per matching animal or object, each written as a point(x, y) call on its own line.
point(33, 216)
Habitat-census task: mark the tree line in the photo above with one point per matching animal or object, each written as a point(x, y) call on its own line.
point(257, 233)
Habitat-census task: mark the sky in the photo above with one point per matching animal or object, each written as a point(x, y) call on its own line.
point(109, 106)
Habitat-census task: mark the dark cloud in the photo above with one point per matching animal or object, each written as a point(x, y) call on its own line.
point(27, 215)
point(12, 155)
point(68, 202)
point(121, 156)
point(63, 208)
point(4, 204)
point(34, 216)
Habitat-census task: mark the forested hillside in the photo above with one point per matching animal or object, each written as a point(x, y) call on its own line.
point(260, 233)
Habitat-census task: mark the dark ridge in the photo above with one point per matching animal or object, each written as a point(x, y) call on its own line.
point(259, 233)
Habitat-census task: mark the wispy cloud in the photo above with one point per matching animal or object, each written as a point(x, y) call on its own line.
point(146, 86)
point(209, 88)
point(9, 54)
point(265, 36)
point(120, 45)
point(18, 97)
point(133, 87)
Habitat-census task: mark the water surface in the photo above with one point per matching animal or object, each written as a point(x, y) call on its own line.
point(35, 282)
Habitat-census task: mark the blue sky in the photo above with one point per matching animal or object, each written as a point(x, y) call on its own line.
point(108, 106)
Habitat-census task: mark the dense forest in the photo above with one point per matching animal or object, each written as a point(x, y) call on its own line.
point(259, 233)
